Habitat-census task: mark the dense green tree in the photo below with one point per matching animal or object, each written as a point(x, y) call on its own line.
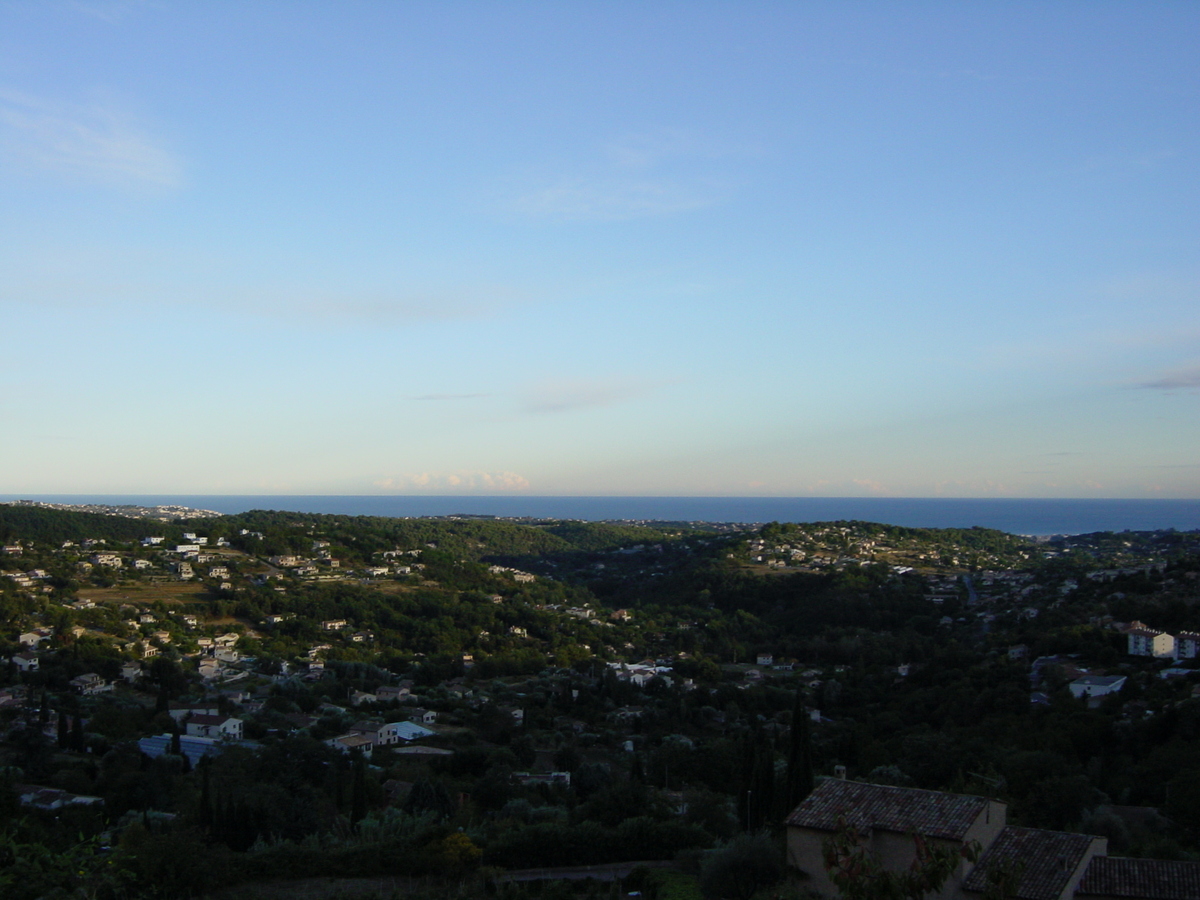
point(741, 868)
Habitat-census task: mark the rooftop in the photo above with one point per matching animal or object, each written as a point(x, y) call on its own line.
point(1146, 879)
point(1049, 858)
point(903, 810)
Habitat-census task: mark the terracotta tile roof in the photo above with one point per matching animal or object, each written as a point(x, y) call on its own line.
point(1050, 859)
point(1145, 879)
point(903, 810)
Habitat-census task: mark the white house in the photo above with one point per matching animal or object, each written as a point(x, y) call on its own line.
point(35, 637)
point(353, 741)
point(215, 727)
point(391, 733)
point(1096, 685)
point(91, 683)
point(210, 669)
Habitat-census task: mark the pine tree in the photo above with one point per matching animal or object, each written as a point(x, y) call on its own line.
point(358, 790)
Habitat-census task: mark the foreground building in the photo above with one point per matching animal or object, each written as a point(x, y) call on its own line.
point(1052, 865)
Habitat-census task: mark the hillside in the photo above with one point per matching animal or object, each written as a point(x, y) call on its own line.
point(590, 692)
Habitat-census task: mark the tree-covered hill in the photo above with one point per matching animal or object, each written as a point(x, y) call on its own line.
point(53, 526)
point(468, 539)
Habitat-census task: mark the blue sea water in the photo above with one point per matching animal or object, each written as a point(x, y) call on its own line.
point(1017, 516)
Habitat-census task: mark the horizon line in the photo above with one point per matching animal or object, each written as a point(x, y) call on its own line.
point(516, 496)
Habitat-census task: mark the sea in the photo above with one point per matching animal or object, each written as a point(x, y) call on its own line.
point(1016, 516)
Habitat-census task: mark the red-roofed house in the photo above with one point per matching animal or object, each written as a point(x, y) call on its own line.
point(889, 817)
point(1049, 865)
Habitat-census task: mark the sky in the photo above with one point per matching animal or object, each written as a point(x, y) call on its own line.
point(600, 248)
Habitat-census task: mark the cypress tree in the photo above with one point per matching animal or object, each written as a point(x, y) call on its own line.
point(637, 773)
point(746, 783)
point(762, 794)
point(800, 767)
point(76, 737)
point(206, 807)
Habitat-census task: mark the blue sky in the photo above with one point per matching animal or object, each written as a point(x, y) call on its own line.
point(675, 248)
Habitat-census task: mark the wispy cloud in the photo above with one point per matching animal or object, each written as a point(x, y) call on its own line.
point(386, 307)
point(654, 173)
point(647, 149)
point(875, 487)
point(72, 277)
point(98, 141)
point(959, 487)
point(455, 482)
point(1177, 380)
point(566, 395)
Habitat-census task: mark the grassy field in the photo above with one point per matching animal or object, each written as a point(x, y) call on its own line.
point(169, 592)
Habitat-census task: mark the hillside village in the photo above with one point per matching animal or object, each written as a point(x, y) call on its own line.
point(510, 694)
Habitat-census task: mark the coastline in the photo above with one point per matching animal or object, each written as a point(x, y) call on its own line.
point(1027, 516)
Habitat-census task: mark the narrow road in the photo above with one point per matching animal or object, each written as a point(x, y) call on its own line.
point(603, 872)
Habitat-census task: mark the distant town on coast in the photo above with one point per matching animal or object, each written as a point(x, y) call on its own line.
point(1028, 516)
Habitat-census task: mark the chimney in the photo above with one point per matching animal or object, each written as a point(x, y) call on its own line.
point(839, 772)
